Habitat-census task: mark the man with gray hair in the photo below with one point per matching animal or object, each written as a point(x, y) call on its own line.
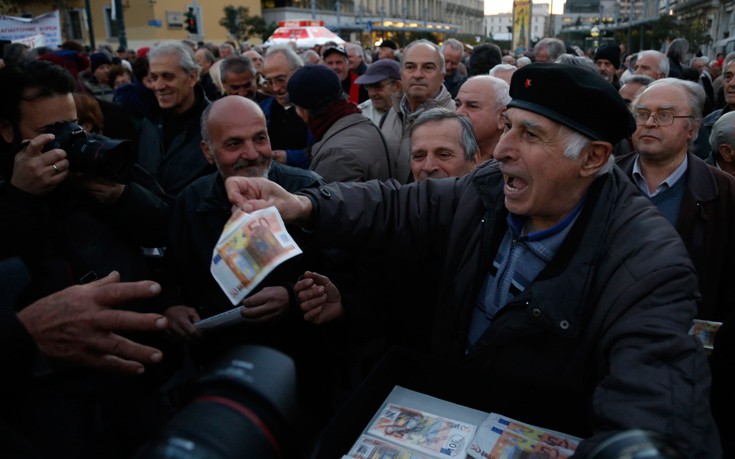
point(239, 77)
point(455, 72)
point(483, 99)
point(442, 145)
point(547, 262)
point(697, 199)
point(290, 137)
point(701, 147)
point(652, 63)
point(168, 146)
point(356, 58)
point(548, 50)
point(722, 143)
point(422, 75)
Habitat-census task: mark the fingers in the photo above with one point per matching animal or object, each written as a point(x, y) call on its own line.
point(241, 189)
point(113, 319)
point(113, 292)
point(115, 353)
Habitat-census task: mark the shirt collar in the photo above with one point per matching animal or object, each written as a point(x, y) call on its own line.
point(642, 184)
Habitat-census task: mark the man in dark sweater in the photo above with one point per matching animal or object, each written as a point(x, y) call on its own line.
point(697, 199)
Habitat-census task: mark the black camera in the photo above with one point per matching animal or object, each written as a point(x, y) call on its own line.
point(243, 407)
point(90, 155)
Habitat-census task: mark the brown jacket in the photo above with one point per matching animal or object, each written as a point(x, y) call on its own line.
point(707, 226)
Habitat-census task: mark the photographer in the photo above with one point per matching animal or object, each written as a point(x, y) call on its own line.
point(72, 219)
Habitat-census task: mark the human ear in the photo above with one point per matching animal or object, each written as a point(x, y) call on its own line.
point(596, 155)
point(208, 153)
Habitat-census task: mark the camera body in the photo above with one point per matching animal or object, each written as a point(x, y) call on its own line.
point(93, 156)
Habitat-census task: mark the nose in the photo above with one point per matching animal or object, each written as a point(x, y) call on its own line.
point(248, 151)
point(506, 149)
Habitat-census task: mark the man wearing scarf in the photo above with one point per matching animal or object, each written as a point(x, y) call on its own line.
point(348, 147)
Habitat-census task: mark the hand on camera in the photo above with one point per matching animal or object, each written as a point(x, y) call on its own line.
point(36, 172)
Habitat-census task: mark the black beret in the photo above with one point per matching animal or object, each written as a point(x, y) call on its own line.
point(574, 97)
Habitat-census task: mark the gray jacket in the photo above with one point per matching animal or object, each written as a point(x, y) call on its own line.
point(352, 150)
point(397, 124)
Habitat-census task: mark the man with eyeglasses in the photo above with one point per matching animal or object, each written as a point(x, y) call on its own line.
point(382, 79)
point(697, 199)
point(290, 137)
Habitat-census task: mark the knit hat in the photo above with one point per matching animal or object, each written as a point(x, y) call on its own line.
point(388, 44)
point(313, 86)
point(98, 59)
point(545, 89)
point(379, 71)
point(609, 52)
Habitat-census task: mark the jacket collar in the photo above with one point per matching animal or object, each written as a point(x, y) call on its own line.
point(561, 288)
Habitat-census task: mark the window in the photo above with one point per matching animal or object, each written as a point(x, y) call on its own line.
point(110, 24)
point(74, 24)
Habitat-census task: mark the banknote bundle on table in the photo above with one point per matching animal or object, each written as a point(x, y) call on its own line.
point(424, 432)
point(402, 429)
point(251, 246)
point(501, 437)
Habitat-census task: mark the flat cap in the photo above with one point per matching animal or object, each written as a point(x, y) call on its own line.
point(574, 97)
point(380, 70)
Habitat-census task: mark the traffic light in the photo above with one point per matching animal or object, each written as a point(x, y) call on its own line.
point(190, 22)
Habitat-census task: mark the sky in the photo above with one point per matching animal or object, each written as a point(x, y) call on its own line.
point(506, 6)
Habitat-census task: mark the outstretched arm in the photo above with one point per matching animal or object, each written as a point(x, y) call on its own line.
point(250, 194)
point(77, 325)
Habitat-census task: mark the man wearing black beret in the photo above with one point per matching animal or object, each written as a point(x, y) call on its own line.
point(563, 289)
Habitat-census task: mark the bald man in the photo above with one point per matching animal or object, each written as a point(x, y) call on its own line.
point(235, 140)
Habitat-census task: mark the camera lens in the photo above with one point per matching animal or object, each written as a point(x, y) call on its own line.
point(636, 444)
point(242, 407)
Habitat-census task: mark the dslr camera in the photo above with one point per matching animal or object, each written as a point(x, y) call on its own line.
point(243, 407)
point(93, 156)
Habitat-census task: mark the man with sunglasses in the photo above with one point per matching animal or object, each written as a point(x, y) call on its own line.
point(697, 199)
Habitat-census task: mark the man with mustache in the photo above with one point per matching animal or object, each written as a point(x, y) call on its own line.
point(422, 76)
point(235, 140)
point(564, 292)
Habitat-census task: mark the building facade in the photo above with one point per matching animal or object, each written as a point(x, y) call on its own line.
point(145, 21)
point(370, 21)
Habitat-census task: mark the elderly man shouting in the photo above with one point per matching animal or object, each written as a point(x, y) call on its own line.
point(566, 292)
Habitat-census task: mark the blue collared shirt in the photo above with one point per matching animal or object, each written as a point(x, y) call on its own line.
point(642, 184)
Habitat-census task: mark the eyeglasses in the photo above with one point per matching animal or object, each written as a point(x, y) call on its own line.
point(661, 119)
point(280, 80)
point(378, 86)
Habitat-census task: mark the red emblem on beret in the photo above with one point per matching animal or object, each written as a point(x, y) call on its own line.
point(527, 83)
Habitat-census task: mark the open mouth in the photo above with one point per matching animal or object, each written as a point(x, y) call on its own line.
point(515, 184)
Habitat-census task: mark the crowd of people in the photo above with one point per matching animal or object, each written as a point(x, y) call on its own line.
point(554, 221)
